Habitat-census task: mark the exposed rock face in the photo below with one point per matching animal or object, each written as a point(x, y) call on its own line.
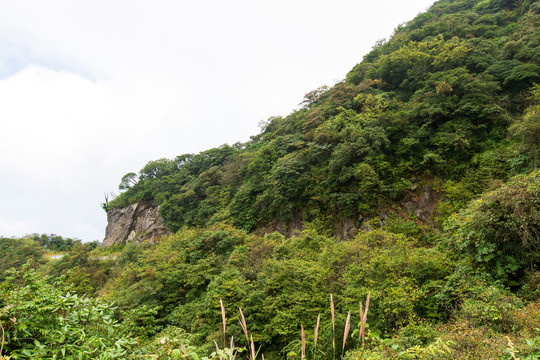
point(137, 222)
point(418, 204)
point(421, 204)
point(285, 228)
point(142, 221)
point(346, 228)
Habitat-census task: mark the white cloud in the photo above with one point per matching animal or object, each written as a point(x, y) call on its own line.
point(21, 227)
point(61, 126)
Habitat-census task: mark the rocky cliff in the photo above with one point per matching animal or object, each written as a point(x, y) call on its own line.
point(142, 221)
point(137, 222)
point(418, 204)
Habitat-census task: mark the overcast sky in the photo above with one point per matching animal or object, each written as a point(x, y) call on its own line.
point(92, 90)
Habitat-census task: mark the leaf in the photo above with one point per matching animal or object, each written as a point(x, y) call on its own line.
point(176, 354)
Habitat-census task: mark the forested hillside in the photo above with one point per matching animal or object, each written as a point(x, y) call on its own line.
point(443, 99)
point(449, 106)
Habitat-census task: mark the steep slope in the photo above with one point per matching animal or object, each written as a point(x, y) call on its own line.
point(429, 109)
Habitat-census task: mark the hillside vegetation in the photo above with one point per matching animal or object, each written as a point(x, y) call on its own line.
point(444, 98)
point(450, 104)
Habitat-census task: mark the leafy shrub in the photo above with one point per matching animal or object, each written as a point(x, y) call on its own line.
point(403, 279)
point(500, 232)
point(16, 252)
point(492, 307)
point(51, 322)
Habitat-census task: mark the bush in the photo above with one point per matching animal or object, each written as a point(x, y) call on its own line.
point(47, 321)
point(491, 306)
point(500, 232)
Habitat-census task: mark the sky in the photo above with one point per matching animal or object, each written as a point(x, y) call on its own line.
point(92, 90)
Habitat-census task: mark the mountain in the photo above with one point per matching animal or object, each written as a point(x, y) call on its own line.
point(435, 113)
point(413, 183)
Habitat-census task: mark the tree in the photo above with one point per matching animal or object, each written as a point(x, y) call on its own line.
point(157, 169)
point(128, 181)
point(313, 96)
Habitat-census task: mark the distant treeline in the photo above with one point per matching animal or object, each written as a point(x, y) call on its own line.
point(15, 251)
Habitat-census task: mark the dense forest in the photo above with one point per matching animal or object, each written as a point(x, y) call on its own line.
point(302, 243)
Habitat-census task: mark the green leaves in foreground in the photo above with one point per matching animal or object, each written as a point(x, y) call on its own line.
point(49, 322)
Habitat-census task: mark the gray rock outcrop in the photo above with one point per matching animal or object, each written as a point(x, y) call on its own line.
point(138, 222)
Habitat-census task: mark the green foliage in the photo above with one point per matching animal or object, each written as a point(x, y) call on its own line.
point(50, 322)
point(55, 242)
point(491, 306)
point(527, 131)
point(500, 231)
point(450, 101)
point(279, 283)
point(85, 269)
point(434, 100)
point(173, 343)
point(403, 280)
point(16, 252)
point(128, 181)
